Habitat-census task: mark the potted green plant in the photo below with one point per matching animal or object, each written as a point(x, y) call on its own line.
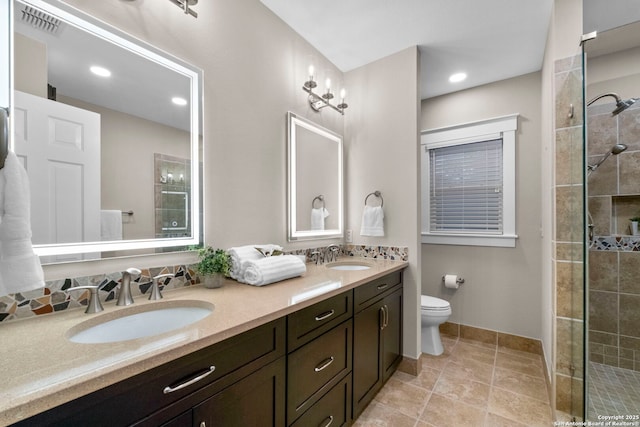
point(634, 225)
point(214, 266)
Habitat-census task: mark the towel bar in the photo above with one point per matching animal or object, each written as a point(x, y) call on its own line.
point(313, 202)
point(127, 213)
point(377, 194)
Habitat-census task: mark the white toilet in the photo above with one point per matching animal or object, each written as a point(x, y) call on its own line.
point(434, 311)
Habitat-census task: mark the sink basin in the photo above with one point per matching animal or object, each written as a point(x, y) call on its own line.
point(139, 322)
point(348, 265)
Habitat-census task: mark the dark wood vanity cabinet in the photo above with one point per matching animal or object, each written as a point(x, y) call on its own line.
point(318, 366)
point(377, 339)
point(143, 400)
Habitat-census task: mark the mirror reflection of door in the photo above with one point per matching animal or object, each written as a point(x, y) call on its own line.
point(59, 146)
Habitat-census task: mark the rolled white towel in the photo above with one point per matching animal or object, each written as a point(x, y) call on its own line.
point(239, 254)
point(272, 269)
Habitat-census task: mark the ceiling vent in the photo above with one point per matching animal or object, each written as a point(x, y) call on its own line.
point(38, 19)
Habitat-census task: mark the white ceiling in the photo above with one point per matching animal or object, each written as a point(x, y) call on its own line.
point(490, 40)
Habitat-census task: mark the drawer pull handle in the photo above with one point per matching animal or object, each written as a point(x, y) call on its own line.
point(194, 380)
point(383, 286)
point(325, 363)
point(326, 315)
point(329, 420)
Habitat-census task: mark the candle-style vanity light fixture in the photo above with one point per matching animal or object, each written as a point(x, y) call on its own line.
point(318, 102)
point(185, 5)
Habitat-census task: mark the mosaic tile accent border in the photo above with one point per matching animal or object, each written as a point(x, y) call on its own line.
point(58, 295)
point(617, 243)
point(397, 253)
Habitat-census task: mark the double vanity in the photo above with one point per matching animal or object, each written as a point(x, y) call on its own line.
point(307, 351)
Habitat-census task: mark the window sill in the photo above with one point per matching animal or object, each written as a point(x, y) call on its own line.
point(502, 241)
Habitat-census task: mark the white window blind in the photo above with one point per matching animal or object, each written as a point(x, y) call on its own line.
point(466, 188)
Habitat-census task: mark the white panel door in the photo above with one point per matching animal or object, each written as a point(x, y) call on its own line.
point(60, 148)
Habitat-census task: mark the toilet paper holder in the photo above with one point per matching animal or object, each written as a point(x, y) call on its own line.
point(459, 280)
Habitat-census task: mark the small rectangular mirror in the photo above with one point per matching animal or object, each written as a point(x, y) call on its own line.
point(109, 131)
point(315, 181)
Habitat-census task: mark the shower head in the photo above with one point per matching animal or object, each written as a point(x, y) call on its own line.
point(615, 150)
point(621, 104)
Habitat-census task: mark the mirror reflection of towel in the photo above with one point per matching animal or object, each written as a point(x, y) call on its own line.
point(317, 218)
point(372, 221)
point(110, 225)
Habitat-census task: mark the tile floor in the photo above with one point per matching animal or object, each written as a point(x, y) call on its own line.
point(613, 391)
point(471, 384)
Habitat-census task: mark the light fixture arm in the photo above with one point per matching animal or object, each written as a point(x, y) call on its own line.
point(185, 6)
point(318, 102)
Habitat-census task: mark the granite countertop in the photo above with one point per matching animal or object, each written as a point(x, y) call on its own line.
point(43, 369)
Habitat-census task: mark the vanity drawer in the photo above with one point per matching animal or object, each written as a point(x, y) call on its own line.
point(316, 367)
point(311, 322)
point(333, 409)
point(143, 394)
point(368, 293)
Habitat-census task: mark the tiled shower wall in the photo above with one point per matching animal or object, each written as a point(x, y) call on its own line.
point(569, 222)
point(614, 258)
point(59, 295)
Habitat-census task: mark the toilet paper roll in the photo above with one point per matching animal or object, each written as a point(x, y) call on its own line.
point(451, 281)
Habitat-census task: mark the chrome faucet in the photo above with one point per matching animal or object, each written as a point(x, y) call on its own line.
point(332, 252)
point(93, 305)
point(124, 296)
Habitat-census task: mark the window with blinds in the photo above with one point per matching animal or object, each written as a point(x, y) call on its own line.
point(466, 194)
point(468, 189)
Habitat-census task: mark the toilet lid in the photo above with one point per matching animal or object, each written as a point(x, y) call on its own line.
point(433, 302)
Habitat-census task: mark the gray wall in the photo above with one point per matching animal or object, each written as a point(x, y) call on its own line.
point(503, 288)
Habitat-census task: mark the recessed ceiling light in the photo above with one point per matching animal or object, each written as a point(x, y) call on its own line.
point(100, 71)
point(457, 77)
point(179, 101)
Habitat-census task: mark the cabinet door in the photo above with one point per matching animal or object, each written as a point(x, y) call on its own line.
point(392, 334)
point(366, 356)
point(256, 400)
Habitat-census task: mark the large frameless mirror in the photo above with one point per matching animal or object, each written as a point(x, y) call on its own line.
point(315, 181)
point(108, 129)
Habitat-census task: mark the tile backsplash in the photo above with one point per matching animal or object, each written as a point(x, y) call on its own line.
point(59, 295)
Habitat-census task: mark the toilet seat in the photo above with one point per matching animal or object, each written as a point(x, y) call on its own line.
point(433, 304)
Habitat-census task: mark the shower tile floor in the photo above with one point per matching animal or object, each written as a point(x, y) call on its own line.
point(471, 384)
point(613, 391)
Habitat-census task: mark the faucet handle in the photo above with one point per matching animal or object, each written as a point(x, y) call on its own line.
point(155, 293)
point(318, 258)
point(94, 305)
point(134, 271)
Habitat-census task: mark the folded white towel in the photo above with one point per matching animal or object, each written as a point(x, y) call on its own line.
point(317, 218)
point(272, 269)
point(110, 225)
point(372, 221)
point(20, 268)
point(240, 254)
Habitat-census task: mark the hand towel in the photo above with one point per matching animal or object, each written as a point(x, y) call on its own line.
point(240, 254)
point(317, 218)
point(372, 221)
point(272, 269)
point(110, 225)
point(20, 268)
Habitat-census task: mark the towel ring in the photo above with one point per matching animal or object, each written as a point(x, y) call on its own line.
point(313, 202)
point(377, 194)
